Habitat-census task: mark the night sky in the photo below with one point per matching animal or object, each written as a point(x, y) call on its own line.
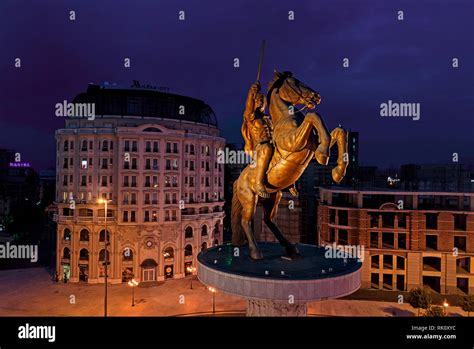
point(403, 61)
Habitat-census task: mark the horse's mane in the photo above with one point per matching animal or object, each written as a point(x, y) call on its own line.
point(278, 79)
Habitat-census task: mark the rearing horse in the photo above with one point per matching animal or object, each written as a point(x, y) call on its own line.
point(295, 146)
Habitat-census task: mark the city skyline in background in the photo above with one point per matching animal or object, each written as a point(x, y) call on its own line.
point(116, 199)
point(61, 57)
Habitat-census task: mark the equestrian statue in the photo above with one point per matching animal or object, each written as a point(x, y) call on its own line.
point(282, 145)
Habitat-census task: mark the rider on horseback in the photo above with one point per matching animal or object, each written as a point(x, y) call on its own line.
point(257, 131)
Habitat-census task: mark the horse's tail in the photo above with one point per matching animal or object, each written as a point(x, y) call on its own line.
point(236, 217)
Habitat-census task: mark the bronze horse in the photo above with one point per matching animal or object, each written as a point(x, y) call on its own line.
point(295, 145)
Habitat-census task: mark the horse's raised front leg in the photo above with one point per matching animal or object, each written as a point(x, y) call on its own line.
point(339, 137)
point(297, 139)
point(322, 152)
point(270, 208)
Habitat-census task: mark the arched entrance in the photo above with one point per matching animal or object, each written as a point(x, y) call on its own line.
point(168, 256)
point(83, 265)
point(149, 270)
point(66, 264)
point(102, 263)
point(127, 264)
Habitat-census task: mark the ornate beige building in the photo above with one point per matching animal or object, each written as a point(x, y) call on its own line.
point(152, 155)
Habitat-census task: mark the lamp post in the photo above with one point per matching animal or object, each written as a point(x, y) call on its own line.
point(106, 260)
point(191, 270)
point(213, 290)
point(133, 283)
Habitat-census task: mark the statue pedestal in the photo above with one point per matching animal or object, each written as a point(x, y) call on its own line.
point(257, 307)
point(278, 286)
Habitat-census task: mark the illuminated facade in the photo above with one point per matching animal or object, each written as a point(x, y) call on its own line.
point(410, 239)
point(152, 155)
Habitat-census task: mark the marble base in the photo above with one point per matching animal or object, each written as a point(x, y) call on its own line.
point(258, 307)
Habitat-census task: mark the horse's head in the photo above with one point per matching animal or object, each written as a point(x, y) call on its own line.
point(293, 91)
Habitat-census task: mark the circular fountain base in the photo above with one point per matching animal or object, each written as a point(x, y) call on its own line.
point(277, 286)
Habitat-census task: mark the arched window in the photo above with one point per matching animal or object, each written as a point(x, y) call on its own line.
point(84, 255)
point(102, 236)
point(216, 229)
point(127, 255)
point(188, 232)
point(66, 253)
point(188, 251)
point(168, 253)
point(102, 256)
point(204, 246)
point(67, 234)
point(84, 235)
point(204, 230)
point(152, 129)
point(84, 145)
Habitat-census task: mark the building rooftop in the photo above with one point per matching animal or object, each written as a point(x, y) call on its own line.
point(139, 101)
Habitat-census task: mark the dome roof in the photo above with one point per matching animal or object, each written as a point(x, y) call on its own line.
point(146, 102)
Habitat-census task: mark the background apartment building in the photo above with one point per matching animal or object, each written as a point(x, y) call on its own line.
point(410, 238)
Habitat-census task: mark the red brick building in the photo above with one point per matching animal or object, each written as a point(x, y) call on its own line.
point(410, 239)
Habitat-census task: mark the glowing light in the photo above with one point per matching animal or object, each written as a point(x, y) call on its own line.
point(133, 283)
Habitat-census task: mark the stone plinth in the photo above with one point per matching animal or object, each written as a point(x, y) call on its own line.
point(258, 307)
point(277, 286)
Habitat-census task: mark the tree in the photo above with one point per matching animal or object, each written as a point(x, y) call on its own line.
point(468, 304)
point(435, 311)
point(419, 298)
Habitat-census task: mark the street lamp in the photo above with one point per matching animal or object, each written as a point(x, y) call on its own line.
point(191, 270)
point(213, 290)
point(106, 260)
point(133, 283)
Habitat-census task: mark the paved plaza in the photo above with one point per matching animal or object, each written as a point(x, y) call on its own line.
point(31, 292)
